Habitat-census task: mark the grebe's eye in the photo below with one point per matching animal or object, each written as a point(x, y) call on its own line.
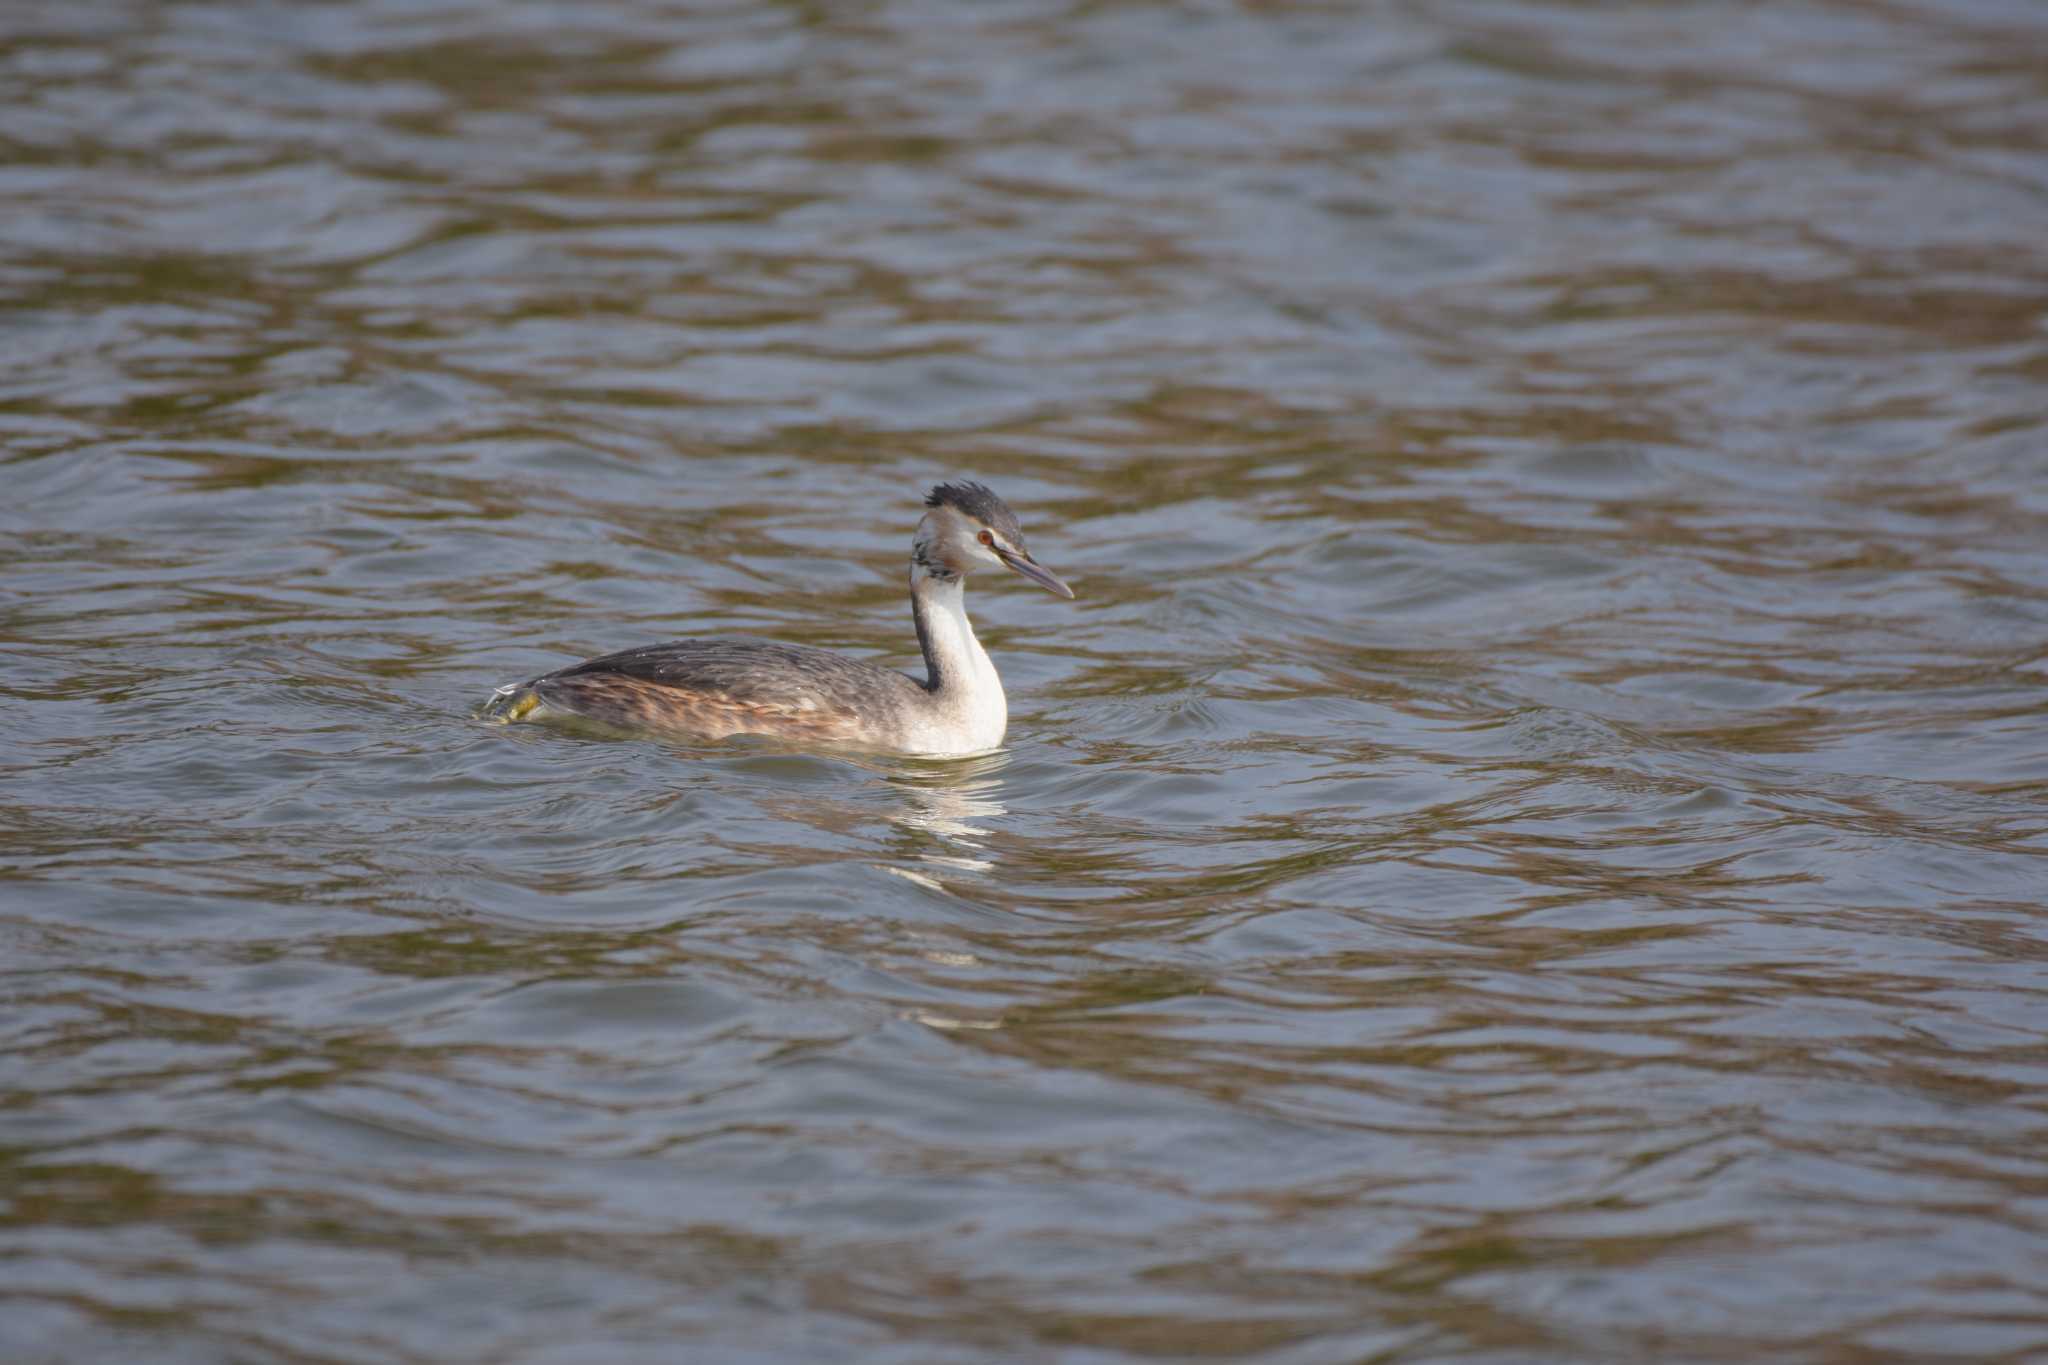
point(988, 538)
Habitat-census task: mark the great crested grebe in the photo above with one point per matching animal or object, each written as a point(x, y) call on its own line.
point(710, 689)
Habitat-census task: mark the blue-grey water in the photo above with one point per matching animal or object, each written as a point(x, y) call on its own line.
point(1530, 846)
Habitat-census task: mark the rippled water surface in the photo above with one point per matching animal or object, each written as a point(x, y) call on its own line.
point(1531, 844)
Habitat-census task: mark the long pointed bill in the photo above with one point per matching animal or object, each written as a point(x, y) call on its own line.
point(1033, 570)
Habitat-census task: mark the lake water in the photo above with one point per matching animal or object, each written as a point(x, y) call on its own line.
point(1530, 846)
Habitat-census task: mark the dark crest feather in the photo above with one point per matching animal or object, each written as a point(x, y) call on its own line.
point(980, 502)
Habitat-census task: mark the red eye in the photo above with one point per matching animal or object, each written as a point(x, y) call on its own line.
point(988, 538)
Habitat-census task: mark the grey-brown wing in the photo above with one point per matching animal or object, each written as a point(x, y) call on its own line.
point(753, 673)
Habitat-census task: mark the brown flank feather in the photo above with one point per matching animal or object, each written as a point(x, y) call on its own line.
point(636, 704)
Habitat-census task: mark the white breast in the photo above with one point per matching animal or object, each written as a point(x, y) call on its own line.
point(968, 712)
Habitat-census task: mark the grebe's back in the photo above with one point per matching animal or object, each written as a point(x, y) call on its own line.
point(719, 687)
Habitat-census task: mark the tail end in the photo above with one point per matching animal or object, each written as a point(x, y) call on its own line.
point(511, 703)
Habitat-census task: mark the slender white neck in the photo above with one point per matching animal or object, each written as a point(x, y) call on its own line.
point(961, 680)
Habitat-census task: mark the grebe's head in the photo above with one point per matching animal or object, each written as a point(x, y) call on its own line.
point(965, 527)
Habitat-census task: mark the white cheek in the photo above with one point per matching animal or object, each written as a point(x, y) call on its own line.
point(985, 554)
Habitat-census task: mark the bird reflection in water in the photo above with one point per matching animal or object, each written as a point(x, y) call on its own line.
point(942, 804)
